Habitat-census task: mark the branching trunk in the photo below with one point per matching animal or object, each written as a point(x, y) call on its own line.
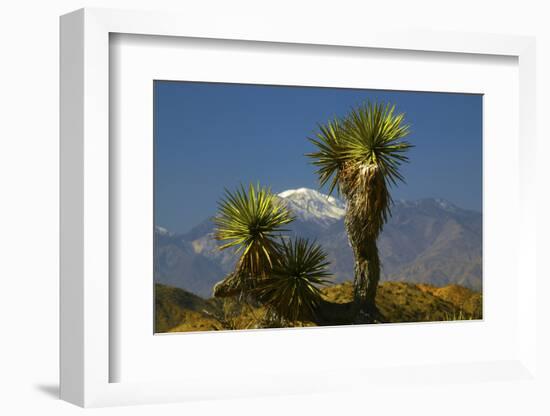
point(238, 283)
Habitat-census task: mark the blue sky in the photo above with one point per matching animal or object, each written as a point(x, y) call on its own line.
point(211, 136)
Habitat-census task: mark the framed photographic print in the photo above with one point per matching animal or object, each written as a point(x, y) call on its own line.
point(236, 208)
point(278, 250)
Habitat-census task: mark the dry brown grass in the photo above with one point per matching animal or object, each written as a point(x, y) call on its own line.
point(466, 300)
point(181, 311)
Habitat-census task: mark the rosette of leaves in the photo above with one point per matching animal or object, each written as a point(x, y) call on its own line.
point(293, 289)
point(250, 222)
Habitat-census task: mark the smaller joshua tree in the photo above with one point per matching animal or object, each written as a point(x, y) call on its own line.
point(292, 289)
point(250, 221)
point(283, 275)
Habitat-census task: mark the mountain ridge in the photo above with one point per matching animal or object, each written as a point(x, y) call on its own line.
point(428, 241)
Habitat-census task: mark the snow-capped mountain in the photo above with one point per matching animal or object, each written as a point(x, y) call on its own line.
point(311, 205)
point(162, 231)
point(438, 203)
point(424, 241)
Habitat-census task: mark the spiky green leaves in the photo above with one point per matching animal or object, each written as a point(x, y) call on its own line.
point(370, 135)
point(250, 220)
point(374, 136)
point(292, 289)
point(330, 157)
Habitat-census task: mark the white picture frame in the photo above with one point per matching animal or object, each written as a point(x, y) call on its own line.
point(86, 355)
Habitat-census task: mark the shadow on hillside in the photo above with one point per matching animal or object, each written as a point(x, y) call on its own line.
point(332, 313)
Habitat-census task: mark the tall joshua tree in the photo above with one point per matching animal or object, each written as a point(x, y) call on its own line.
point(360, 155)
point(250, 221)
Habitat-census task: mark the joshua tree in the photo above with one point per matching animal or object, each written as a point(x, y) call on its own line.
point(360, 156)
point(292, 289)
point(249, 221)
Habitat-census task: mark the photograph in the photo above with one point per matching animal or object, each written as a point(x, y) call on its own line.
point(281, 206)
point(236, 208)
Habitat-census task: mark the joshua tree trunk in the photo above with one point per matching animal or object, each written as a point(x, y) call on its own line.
point(367, 276)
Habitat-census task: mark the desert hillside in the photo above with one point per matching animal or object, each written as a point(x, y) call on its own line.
point(177, 310)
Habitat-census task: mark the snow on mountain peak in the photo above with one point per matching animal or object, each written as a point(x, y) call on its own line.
point(162, 231)
point(438, 203)
point(446, 205)
point(309, 204)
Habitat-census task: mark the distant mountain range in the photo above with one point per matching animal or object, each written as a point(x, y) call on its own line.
point(425, 241)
